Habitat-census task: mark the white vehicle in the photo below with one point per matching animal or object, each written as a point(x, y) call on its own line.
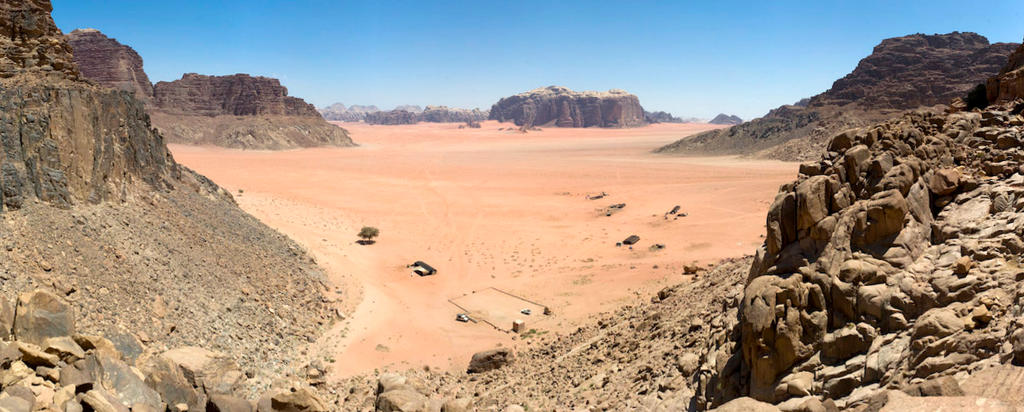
point(462, 317)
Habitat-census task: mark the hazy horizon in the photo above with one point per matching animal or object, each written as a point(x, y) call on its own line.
point(690, 60)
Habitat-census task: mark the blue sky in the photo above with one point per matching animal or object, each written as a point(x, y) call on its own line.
point(688, 58)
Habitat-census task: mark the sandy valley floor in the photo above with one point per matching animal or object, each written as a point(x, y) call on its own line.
point(492, 208)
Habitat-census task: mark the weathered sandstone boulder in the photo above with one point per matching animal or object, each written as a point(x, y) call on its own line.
point(489, 360)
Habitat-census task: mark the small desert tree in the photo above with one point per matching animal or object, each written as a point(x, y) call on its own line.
point(367, 233)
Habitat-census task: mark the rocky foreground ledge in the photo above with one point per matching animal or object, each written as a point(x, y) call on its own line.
point(45, 365)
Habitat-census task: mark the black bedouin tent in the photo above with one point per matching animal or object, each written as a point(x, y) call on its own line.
point(423, 269)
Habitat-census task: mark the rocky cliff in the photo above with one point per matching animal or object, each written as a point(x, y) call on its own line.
point(723, 118)
point(338, 112)
point(97, 212)
point(901, 73)
point(561, 107)
point(1009, 84)
point(110, 63)
point(235, 95)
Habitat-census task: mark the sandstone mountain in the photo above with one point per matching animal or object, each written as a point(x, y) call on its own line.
point(110, 63)
point(338, 112)
point(889, 279)
point(901, 73)
point(392, 118)
point(239, 111)
point(723, 118)
point(97, 212)
point(404, 114)
point(561, 107)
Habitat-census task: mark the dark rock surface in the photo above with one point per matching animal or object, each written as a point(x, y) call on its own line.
point(110, 63)
point(27, 43)
point(723, 118)
point(391, 118)
point(235, 95)
point(901, 73)
point(1009, 84)
point(561, 107)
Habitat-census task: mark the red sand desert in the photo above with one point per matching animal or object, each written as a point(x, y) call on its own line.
point(492, 208)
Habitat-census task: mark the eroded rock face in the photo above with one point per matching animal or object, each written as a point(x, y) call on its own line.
point(1009, 84)
point(902, 73)
point(561, 107)
point(444, 114)
point(110, 63)
point(28, 41)
point(890, 261)
point(355, 113)
point(235, 95)
point(918, 70)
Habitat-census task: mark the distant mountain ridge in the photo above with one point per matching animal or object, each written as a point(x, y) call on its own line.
point(901, 73)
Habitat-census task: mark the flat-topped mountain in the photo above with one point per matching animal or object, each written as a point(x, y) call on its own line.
point(901, 73)
point(562, 107)
point(235, 95)
point(723, 118)
point(110, 63)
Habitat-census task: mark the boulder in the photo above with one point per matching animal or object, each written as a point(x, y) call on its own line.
point(746, 405)
point(489, 360)
point(211, 371)
point(944, 182)
point(41, 315)
point(227, 403)
point(401, 400)
point(120, 380)
point(168, 379)
point(296, 400)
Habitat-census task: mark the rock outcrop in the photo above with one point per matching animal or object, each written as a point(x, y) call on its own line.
point(48, 366)
point(110, 63)
point(238, 111)
point(661, 117)
point(1009, 83)
point(235, 95)
point(902, 73)
point(561, 107)
point(98, 213)
point(723, 118)
point(28, 44)
point(391, 118)
point(339, 113)
point(444, 114)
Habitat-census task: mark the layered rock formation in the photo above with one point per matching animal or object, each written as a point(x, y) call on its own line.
point(97, 212)
point(235, 95)
point(561, 107)
point(444, 114)
point(723, 118)
point(110, 63)
point(391, 118)
point(902, 73)
point(238, 111)
point(339, 113)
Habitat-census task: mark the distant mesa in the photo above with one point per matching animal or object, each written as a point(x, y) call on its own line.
point(665, 117)
point(235, 95)
point(238, 111)
point(902, 73)
point(403, 114)
point(561, 107)
point(726, 119)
